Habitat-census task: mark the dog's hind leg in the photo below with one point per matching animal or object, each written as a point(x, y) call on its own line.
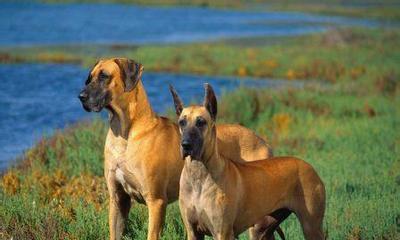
point(310, 213)
point(311, 221)
point(312, 228)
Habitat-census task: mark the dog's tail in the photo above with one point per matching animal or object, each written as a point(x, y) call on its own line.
point(279, 216)
point(268, 234)
point(280, 233)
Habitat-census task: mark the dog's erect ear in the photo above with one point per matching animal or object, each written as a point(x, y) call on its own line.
point(177, 101)
point(131, 72)
point(210, 101)
point(90, 73)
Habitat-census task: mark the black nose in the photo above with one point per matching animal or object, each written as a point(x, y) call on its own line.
point(186, 145)
point(83, 95)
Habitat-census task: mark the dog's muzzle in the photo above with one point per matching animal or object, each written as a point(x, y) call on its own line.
point(92, 103)
point(191, 145)
point(187, 149)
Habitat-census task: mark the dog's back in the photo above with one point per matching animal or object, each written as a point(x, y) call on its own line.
point(241, 144)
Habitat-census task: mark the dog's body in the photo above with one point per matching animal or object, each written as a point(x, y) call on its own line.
point(142, 156)
point(226, 202)
point(223, 197)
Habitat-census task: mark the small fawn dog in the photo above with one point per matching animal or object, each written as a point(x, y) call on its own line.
point(223, 197)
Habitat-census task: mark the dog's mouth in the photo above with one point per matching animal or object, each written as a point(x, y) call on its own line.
point(96, 105)
point(191, 147)
point(92, 107)
point(186, 153)
point(194, 155)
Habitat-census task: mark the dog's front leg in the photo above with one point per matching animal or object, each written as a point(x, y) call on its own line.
point(157, 208)
point(225, 235)
point(190, 233)
point(223, 230)
point(120, 204)
point(194, 235)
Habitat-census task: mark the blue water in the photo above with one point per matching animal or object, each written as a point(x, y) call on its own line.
point(33, 23)
point(38, 98)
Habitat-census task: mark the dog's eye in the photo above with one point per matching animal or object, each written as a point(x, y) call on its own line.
point(182, 123)
point(89, 78)
point(103, 76)
point(200, 122)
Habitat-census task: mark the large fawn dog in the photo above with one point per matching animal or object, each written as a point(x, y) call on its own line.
point(222, 197)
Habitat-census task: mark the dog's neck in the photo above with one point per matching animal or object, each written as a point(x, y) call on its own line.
point(213, 162)
point(132, 109)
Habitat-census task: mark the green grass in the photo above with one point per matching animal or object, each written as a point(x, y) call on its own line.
point(348, 130)
point(333, 56)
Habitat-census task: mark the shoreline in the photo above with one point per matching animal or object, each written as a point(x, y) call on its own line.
point(248, 57)
point(387, 10)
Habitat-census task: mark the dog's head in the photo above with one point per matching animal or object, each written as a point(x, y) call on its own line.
point(196, 124)
point(108, 80)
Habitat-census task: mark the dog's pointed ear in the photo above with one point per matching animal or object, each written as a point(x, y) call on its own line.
point(89, 78)
point(210, 101)
point(131, 72)
point(177, 101)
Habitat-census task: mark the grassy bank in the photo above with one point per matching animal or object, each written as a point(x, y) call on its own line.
point(349, 132)
point(381, 12)
point(387, 10)
point(333, 56)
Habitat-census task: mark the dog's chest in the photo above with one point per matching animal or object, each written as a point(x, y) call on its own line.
point(201, 198)
point(131, 183)
point(125, 169)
